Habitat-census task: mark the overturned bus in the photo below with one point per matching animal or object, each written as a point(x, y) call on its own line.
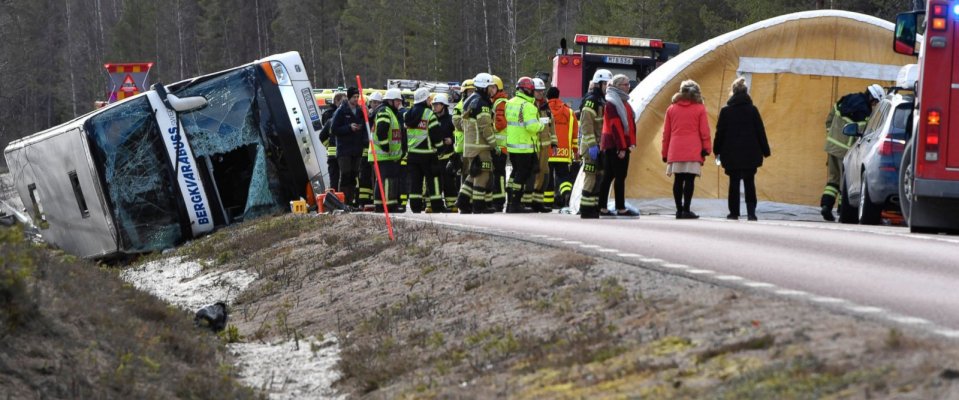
point(173, 163)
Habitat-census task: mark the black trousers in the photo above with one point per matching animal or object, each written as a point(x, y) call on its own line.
point(333, 167)
point(520, 177)
point(349, 170)
point(365, 183)
point(615, 169)
point(748, 178)
point(390, 173)
point(449, 182)
point(421, 174)
point(561, 177)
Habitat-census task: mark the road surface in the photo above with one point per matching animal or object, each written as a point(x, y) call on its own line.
point(876, 271)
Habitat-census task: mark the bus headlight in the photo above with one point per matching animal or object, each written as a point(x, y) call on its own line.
point(282, 78)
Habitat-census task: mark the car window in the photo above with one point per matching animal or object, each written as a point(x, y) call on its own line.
point(877, 118)
point(901, 119)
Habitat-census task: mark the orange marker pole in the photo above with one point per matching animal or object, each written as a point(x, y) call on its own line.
point(376, 162)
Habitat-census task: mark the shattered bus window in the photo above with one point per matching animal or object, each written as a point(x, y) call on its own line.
point(126, 142)
point(226, 137)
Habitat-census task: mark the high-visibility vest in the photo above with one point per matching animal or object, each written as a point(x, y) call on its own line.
point(564, 140)
point(458, 133)
point(522, 125)
point(418, 139)
point(391, 148)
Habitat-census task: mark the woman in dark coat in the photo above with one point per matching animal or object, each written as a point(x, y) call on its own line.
point(740, 146)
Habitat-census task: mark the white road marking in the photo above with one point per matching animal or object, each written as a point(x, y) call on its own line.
point(555, 239)
point(789, 292)
point(910, 320)
point(824, 299)
point(948, 333)
point(589, 246)
point(538, 236)
point(651, 260)
point(759, 284)
point(571, 242)
point(628, 255)
point(729, 278)
point(700, 271)
point(608, 250)
point(865, 309)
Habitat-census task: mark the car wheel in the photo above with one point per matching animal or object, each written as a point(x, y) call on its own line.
point(847, 213)
point(905, 183)
point(869, 213)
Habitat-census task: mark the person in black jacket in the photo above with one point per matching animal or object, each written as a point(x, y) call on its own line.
point(329, 140)
point(449, 180)
point(741, 145)
point(351, 138)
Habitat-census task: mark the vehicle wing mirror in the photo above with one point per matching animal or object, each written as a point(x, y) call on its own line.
point(851, 129)
point(186, 103)
point(905, 36)
point(177, 104)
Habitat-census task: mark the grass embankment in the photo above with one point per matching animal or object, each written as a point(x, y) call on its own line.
point(73, 329)
point(439, 314)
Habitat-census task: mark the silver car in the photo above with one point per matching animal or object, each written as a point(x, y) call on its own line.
point(871, 167)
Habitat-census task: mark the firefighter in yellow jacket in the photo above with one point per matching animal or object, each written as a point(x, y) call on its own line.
point(590, 133)
point(546, 142)
point(389, 143)
point(479, 141)
point(851, 108)
point(523, 127)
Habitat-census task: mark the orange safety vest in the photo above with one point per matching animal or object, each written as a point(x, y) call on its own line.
point(567, 131)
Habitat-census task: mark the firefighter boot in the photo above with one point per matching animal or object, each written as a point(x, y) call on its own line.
point(481, 207)
point(463, 204)
point(826, 205)
point(514, 205)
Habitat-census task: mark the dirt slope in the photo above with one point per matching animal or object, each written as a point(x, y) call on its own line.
point(440, 313)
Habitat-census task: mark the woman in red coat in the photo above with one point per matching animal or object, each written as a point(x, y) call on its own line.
point(686, 144)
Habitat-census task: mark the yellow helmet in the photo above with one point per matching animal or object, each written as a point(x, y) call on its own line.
point(468, 85)
point(498, 82)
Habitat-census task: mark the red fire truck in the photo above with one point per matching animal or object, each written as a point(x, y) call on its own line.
point(929, 175)
point(572, 71)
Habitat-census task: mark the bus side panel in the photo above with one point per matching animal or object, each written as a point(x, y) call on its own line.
point(80, 227)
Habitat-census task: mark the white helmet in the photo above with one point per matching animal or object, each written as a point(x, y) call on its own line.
point(376, 96)
point(876, 91)
point(538, 84)
point(482, 80)
point(602, 75)
point(393, 94)
point(420, 95)
point(442, 98)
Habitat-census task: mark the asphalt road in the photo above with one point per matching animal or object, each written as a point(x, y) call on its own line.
point(882, 272)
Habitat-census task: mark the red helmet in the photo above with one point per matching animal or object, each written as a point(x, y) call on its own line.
point(525, 84)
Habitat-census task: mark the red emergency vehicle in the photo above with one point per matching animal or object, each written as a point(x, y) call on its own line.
point(929, 175)
point(572, 71)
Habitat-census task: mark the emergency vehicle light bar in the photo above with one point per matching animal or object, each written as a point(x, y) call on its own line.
point(618, 41)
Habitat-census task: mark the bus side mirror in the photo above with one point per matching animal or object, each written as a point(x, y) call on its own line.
point(905, 36)
point(186, 103)
point(850, 129)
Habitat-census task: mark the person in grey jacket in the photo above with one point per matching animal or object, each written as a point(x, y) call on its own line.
point(741, 145)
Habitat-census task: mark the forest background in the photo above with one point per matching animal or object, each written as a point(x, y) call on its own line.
point(52, 52)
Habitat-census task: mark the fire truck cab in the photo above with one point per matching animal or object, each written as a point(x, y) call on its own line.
point(572, 71)
point(929, 174)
